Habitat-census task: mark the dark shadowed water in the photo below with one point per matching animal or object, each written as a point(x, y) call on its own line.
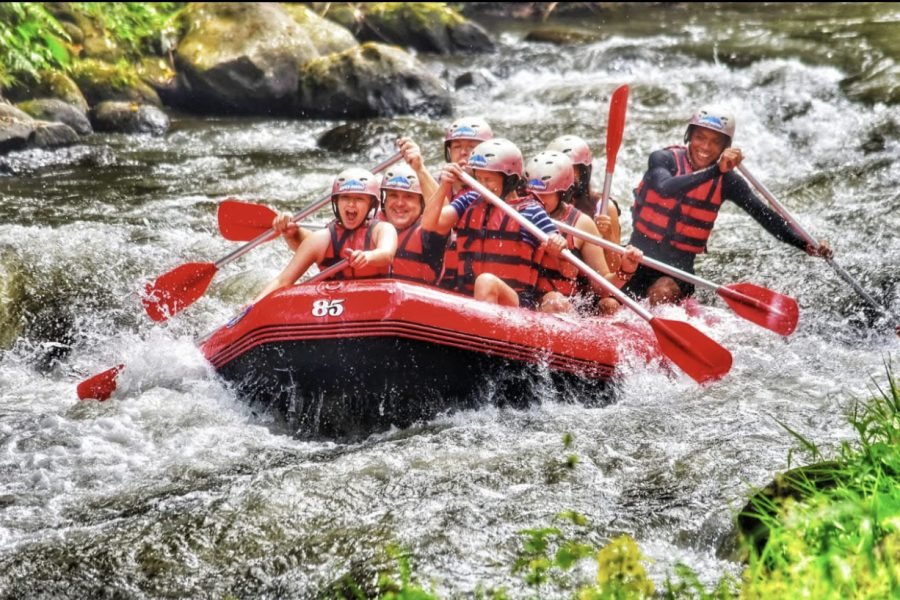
point(174, 489)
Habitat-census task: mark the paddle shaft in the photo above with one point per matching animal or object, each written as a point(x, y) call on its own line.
point(653, 264)
point(809, 239)
point(567, 254)
point(272, 234)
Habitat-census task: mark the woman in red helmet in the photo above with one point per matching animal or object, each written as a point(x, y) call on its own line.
point(587, 200)
point(497, 257)
point(367, 244)
point(550, 176)
point(679, 198)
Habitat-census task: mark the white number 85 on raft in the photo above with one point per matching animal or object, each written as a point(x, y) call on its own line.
point(325, 308)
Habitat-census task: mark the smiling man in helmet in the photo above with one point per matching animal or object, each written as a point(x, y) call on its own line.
point(678, 200)
point(460, 138)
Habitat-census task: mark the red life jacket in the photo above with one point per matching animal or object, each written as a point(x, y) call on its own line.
point(342, 240)
point(451, 255)
point(410, 262)
point(549, 278)
point(451, 264)
point(488, 241)
point(684, 222)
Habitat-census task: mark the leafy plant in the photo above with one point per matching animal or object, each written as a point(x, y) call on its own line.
point(136, 26)
point(31, 40)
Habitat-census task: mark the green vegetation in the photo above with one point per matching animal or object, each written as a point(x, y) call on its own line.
point(841, 540)
point(34, 36)
point(836, 534)
point(31, 40)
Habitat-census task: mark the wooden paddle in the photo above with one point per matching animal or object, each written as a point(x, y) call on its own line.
point(809, 239)
point(102, 385)
point(614, 129)
point(179, 288)
point(757, 304)
point(696, 354)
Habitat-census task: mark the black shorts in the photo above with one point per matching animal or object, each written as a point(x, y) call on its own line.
point(644, 277)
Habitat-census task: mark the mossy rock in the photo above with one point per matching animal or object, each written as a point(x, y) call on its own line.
point(95, 41)
point(158, 74)
point(369, 81)
point(327, 36)
point(101, 81)
point(240, 58)
point(50, 84)
point(55, 110)
point(795, 484)
point(425, 26)
point(12, 296)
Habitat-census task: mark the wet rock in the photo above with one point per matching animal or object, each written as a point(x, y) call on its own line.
point(50, 84)
point(476, 79)
point(129, 117)
point(100, 81)
point(10, 112)
point(368, 81)
point(878, 83)
point(15, 133)
point(53, 135)
point(359, 136)
point(424, 26)
point(240, 57)
point(327, 36)
point(563, 36)
point(52, 109)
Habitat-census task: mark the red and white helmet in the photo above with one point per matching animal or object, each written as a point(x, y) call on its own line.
point(549, 172)
point(356, 181)
point(499, 155)
point(401, 177)
point(574, 147)
point(714, 118)
point(468, 128)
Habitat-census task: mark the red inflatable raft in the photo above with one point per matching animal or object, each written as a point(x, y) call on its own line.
point(346, 358)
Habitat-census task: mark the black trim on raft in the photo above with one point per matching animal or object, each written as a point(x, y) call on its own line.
point(351, 387)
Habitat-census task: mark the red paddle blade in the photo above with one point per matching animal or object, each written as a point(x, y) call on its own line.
point(100, 386)
point(616, 125)
point(177, 289)
point(696, 354)
point(244, 221)
point(762, 306)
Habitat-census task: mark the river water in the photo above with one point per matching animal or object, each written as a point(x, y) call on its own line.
point(174, 488)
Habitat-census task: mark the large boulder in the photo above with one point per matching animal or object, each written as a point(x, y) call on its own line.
point(100, 81)
point(424, 26)
point(52, 109)
point(369, 81)
point(240, 57)
point(327, 36)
